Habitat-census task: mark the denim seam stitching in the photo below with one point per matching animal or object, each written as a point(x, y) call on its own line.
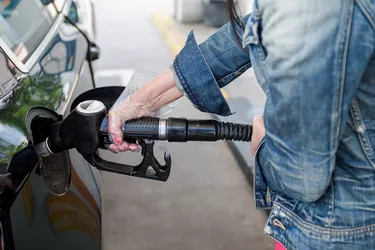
point(339, 75)
point(189, 92)
point(235, 73)
point(284, 242)
point(360, 138)
point(216, 83)
point(331, 205)
point(358, 231)
point(341, 69)
point(261, 69)
point(364, 7)
point(255, 37)
point(359, 122)
point(266, 205)
point(345, 27)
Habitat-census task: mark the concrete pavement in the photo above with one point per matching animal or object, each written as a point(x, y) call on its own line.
point(207, 202)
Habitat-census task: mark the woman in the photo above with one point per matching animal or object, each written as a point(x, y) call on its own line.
point(315, 158)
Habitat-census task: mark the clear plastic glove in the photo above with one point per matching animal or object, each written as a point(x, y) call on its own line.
point(131, 104)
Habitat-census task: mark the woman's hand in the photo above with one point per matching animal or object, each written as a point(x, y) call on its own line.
point(258, 133)
point(145, 102)
point(126, 110)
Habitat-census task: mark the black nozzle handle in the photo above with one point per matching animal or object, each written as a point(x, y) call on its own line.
point(80, 130)
point(143, 128)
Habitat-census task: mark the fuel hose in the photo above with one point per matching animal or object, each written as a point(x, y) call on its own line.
point(182, 130)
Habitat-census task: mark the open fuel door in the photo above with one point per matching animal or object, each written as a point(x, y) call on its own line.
point(85, 129)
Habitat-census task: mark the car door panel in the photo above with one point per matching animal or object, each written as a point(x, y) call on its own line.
point(33, 216)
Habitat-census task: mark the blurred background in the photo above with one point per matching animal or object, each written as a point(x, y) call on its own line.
point(207, 202)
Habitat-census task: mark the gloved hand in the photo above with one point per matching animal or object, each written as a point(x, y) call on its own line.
point(122, 111)
point(154, 99)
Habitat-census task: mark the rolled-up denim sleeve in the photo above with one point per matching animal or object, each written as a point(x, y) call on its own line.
point(201, 70)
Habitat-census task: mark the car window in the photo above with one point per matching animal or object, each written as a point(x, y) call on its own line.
point(24, 23)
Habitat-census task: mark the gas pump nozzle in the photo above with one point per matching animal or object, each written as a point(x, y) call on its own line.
point(86, 129)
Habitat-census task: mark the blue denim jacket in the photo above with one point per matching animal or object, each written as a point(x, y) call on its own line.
point(315, 60)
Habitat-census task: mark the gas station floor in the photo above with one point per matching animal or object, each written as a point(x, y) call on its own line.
point(206, 203)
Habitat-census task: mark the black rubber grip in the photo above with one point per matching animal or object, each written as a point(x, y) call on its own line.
point(143, 128)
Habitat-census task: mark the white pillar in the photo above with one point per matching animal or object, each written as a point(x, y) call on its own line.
point(188, 10)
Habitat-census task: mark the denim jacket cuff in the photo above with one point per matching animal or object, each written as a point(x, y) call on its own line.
point(197, 80)
point(177, 82)
point(262, 193)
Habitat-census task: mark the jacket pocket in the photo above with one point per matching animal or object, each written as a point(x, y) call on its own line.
point(364, 131)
